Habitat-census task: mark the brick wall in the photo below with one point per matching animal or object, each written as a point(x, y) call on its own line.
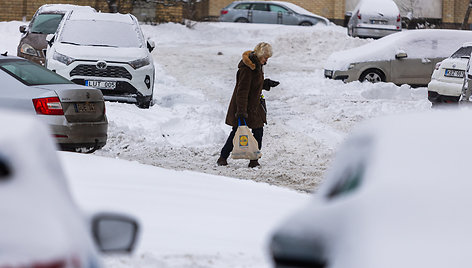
point(24, 9)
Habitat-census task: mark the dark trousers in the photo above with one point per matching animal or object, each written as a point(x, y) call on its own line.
point(228, 147)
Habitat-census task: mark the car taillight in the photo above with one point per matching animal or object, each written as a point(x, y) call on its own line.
point(437, 66)
point(359, 15)
point(49, 106)
point(399, 18)
point(223, 12)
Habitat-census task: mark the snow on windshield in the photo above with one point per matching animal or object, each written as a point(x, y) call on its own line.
point(100, 33)
point(418, 44)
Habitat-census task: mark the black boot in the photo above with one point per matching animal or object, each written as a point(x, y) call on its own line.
point(253, 163)
point(222, 161)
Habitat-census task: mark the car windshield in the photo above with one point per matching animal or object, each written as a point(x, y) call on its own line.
point(46, 23)
point(462, 52)
point(101, 33)
point(32, 74)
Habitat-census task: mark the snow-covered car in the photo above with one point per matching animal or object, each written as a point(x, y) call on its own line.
point(407, 57)
point(41, 224)
point(447, 78)
point(45, 21)
point(374, 18)
point(392, 198)
point(273, 12)
point(106, 51)
point(75, 114)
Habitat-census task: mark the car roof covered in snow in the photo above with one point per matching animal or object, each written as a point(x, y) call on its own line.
point(63, 8)
point(99, 16)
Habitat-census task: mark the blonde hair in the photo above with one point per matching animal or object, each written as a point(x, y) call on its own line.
point(263, 50)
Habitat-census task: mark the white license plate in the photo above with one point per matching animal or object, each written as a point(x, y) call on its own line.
point(85, 107)
point(101, 84)
point(381, 22)
point(454, 73)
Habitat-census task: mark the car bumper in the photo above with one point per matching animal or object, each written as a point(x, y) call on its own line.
point(346, 76)
point(373, 32)
point(131, 84)
point(445, 88)
point(78, 135)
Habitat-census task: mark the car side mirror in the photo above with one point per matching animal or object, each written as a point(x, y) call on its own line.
point(23, 29)
point(150, 45)
point(401, 55)
point(5, 170)
point(50, 39)
point(114, 233)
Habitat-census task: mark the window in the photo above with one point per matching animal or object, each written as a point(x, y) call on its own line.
point(46, 23)
point(275, 8)
point(261, 7)
point(32, 74)
point(350, 180)
point(243, 6)
point(462, 52)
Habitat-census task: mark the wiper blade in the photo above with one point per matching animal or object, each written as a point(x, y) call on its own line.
point(103, 46)
point(71, 43)
point(37, 32)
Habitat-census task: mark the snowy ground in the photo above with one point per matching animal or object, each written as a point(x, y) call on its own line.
point(308, 115)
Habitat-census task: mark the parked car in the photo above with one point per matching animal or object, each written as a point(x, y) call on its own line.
point(41, 226)
point(106, 51)
point(392, 198)
point(274, 12)
point(407, 57)
point(447, 79)
point(45, 21)
point(374, 19)
point(75, 114)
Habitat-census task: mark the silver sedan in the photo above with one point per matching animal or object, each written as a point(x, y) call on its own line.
point(75, 114)
point(274, 12)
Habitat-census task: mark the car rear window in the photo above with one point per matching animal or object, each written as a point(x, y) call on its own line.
point(31, 74)
point(46, 23)
point(462, 52)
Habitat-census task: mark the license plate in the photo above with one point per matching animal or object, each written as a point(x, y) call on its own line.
point(454, 73)
point(328, 73)
point(101, 84)
point(85, 107)
point(382, 22)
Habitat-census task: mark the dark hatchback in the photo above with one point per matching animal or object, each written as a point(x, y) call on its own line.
point(45, 21)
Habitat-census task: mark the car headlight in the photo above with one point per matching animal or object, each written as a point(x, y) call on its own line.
point(136, 64)
point(62, 58)
point(29, 50)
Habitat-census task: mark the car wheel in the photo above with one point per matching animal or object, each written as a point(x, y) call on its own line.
point(144, 102)
point(242, 20)
point(306, 23)
point(373, 76)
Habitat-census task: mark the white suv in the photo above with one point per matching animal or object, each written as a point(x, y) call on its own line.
point(106, 51)
point(447, 78)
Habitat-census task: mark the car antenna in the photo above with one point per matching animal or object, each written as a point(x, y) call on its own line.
point(5, 54)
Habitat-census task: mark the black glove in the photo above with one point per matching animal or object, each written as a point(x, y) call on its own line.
point(269, 83)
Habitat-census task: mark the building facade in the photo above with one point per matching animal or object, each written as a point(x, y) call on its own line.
point(449, 13)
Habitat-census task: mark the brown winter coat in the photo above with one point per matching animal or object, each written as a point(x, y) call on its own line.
point(247, 93)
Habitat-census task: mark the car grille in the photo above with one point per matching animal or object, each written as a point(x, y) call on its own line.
point(92, 70)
